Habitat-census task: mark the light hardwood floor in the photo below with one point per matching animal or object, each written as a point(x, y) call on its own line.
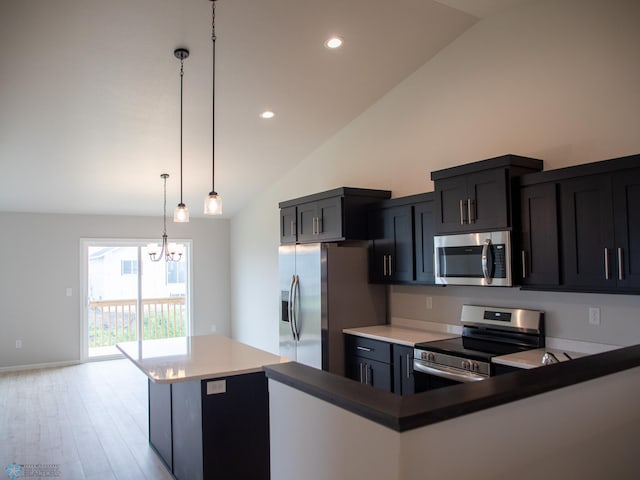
point(90, 420)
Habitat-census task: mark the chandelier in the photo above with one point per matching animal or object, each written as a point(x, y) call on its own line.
point(171, 252)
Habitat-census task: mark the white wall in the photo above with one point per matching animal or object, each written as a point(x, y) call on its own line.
point(553, 79)
point(41, 258)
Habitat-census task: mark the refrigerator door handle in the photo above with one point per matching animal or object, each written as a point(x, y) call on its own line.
point(291, 306)
point(296, 307)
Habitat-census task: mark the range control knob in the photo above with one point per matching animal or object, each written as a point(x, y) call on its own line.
point(431, 357)
point(474, 366)
point(466, 365)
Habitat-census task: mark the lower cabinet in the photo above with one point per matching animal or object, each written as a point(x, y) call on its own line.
point(201, 428)
point(368, 361)
point(382, 365)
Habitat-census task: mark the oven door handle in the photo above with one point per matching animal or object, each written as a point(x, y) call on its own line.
point(447, 372)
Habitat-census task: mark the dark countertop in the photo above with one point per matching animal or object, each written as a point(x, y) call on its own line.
point(406, 413)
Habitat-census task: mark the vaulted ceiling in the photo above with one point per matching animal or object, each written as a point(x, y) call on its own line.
point(90, 92)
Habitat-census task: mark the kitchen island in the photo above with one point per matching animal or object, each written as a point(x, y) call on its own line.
point(208, 405)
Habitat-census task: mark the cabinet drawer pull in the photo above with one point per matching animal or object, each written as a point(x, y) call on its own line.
point(364, 349)
point(606, 263)
point(461, 212)
point(620, 265)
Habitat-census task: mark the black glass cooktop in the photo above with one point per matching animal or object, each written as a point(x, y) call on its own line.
point(470, 348)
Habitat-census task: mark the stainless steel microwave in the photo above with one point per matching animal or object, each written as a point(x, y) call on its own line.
point(473, 259)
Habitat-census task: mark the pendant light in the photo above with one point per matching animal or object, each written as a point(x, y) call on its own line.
point(171, 252)
point(213, 201)
point(181, 213)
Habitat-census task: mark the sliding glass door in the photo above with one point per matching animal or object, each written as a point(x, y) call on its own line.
point(130, 297)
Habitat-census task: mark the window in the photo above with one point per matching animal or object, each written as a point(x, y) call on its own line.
point(176, 272)
point(128, 267)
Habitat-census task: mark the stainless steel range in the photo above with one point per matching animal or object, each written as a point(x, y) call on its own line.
point(487, 332)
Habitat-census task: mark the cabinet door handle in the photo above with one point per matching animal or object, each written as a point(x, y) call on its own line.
point(620, 265)
point(384, 265)
point(461, 212)
point(524, 264)
point(315, 226)
point(366, 375)
point(390, 267)
point(292, 228)
point(470, 211)
point(606, 263)
point(409, 364)
point(364, 349)
point(360, 372)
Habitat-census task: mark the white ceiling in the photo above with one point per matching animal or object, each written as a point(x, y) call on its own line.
point(89, 92)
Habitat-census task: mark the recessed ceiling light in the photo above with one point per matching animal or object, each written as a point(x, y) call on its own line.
point(333, 42)
point(267, 114)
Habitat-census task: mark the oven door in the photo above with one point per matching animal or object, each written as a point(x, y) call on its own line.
point(473, 259)
point(429, 376)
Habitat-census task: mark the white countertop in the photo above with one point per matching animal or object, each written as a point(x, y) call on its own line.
point(199, 357)
point(533, 358)
point(399, 335)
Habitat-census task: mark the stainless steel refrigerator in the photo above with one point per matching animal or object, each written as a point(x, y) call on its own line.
point(323, 289)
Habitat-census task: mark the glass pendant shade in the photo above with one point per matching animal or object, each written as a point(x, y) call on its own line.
point(213, 204)
point(181, 214)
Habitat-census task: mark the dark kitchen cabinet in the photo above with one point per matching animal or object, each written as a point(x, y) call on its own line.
point(424, 230)
point(403, 378)
point(334, 215)
point(320, 221)
point(288, 225)
point(478, 196)
point(401, 240)
point(200, 427)
point(538, 258)
point(391, 250)
point(600, 231)
point(368, 362)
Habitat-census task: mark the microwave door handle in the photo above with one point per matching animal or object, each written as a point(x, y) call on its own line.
point(485, 265)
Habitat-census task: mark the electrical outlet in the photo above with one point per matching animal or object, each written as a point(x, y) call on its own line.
point(594, 316)
point(18, 343)
point(429, 303)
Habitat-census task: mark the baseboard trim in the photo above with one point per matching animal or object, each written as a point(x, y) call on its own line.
point(38, 366)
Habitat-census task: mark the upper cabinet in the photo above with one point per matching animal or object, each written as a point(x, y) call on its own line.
point(601, 230)
point(478, 196)
point(581, 227)
point(334, 215)
point(401, 240)
point(539, 256)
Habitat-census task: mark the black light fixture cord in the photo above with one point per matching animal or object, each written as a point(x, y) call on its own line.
point(213, 96)
point(181, 75)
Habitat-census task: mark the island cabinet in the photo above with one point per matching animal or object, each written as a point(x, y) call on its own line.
point(208, 405)
point(478, 196)
point(334, 215)
point(200, 428)
point(401, 240)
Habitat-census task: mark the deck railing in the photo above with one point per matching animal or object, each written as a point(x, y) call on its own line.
point(113, 321)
